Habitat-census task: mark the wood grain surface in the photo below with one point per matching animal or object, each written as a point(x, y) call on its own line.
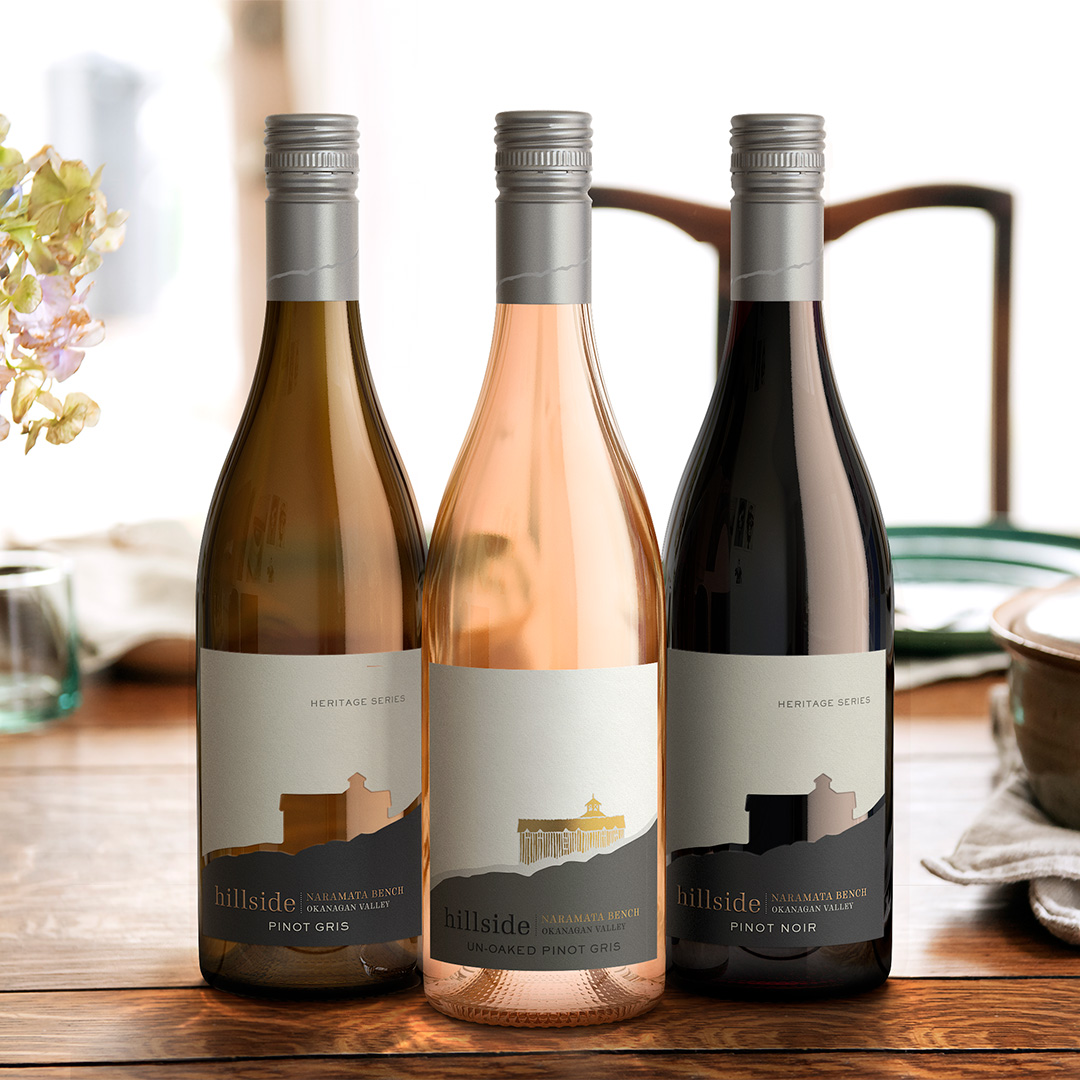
point(202, 1024)
point(99, 974)
point(586, 1066)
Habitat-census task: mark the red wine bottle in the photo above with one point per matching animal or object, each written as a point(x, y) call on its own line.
point(780, 628)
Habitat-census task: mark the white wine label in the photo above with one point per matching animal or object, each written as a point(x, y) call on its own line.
point(543, 804)
point(309, 786)
point(776, 810)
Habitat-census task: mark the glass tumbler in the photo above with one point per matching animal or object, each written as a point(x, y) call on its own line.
point(39, 668)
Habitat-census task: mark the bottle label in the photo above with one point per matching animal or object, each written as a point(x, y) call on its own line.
point(309, 786)
point(776, 810)
point(543, 801)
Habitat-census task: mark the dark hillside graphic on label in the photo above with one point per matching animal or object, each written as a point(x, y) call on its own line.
point(552, 838)
point(811, 873)
point(596, 913)
point(345, 873)
point(776, 820)
point(786, 819)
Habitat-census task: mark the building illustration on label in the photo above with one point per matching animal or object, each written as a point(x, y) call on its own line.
point(581, 890)
point(786, 819)
point(552, 838)
point(341, 854)
point(811, 873)
point(318, 818)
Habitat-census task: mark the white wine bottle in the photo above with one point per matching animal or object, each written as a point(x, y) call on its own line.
point(543, 647)
point(309, 627)
point(780, 627)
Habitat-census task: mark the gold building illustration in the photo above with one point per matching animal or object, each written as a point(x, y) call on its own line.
point(552, 838)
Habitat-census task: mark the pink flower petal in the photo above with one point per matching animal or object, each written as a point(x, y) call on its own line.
point(61, 363)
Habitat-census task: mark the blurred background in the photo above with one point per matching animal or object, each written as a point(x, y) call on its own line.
point(172, 99)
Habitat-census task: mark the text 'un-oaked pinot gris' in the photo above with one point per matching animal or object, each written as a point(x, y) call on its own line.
point(780, 628)
point(309, 627)
point(543, 647)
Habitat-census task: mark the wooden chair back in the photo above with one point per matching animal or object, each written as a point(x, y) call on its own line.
point(712, 225)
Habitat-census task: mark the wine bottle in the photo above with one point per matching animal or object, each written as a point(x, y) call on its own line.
point(309, 627)
point(543, 647)
point(780, 632)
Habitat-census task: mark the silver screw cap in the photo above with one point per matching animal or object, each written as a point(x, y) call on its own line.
point(780, 152)
point(312, 152)
point(543, 152)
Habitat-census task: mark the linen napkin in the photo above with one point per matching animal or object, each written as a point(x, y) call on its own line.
point(134, 589)
point(1012, 840)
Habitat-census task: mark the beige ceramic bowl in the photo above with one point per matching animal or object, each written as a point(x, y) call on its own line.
point(1040, 629)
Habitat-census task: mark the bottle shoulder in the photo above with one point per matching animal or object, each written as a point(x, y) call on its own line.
point(543, 553)
point(313, 524)
point(775, 420)
point(776, 542)
point(542, 445)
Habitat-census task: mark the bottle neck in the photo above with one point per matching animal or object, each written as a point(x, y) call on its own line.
point(776, 248)
point(311, 248)
point(543, 251)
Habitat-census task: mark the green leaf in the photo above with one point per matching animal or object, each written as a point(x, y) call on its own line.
point(40, 258)
point(47, 195)
point(46, 218)
point(60, 196)
point(51, 402)
point(32, 433)
point(76, 179)
point(10, 156)
point(86, 405)
point(79, 411)
point(75, 176)
point(28, 364)
point(23, 394)
point(15, 269)
point(87, 264)
point(28, 294)
point(23, 235)
point(10, 175)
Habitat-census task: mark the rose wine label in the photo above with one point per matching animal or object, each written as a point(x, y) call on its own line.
point(777, 832)
point(543, 793)
point(309, 786)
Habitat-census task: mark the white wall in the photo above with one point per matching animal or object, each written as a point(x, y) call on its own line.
point(974, 92)
point(970, 92)
point(165, 378)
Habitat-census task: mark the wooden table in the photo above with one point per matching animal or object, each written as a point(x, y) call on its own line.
point(99, 976)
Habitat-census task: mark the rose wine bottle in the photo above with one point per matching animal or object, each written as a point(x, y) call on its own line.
point(780, 628)
point(543, 647)
point(309, 627)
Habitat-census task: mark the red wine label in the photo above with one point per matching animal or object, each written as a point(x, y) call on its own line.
point(778, 830)
point(309, 785)
point(543, 799)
